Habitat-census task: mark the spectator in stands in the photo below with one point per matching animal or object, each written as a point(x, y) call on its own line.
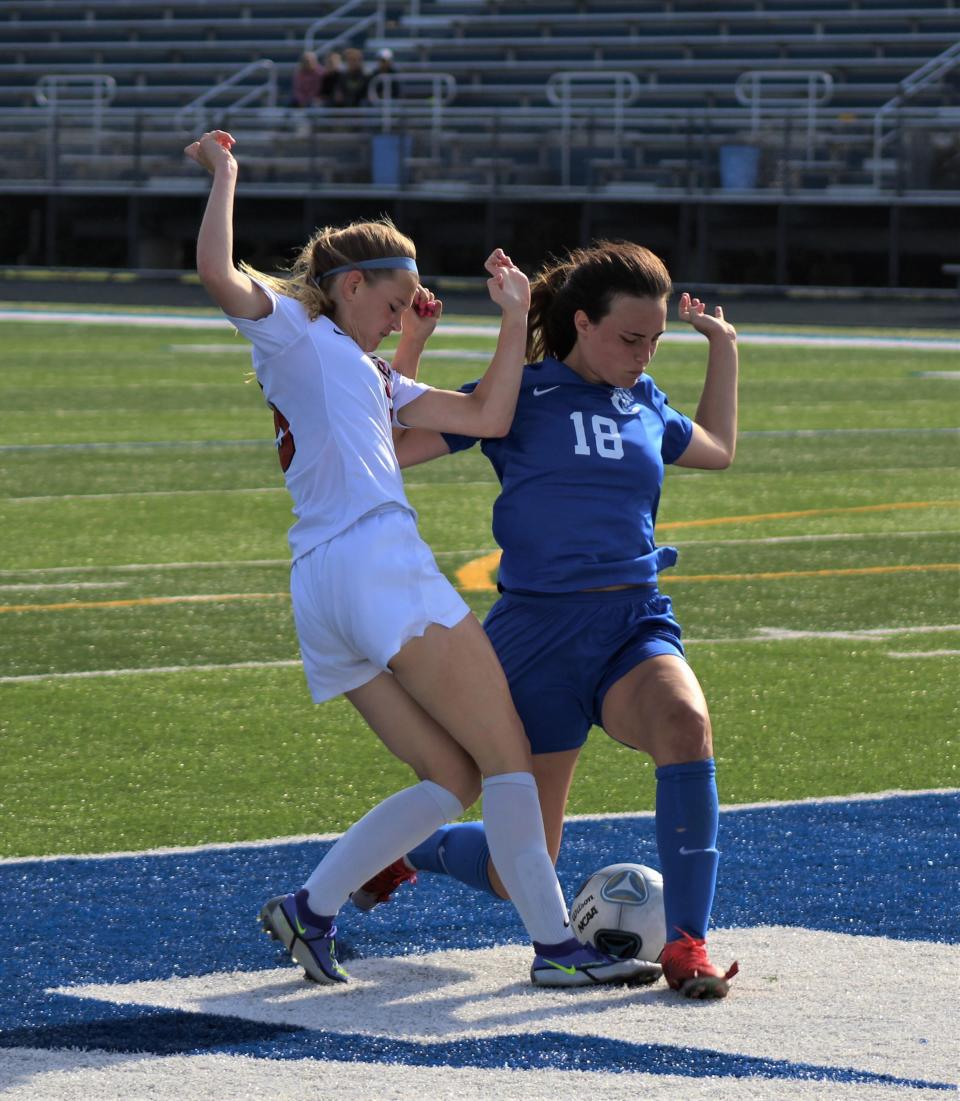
point(354, 80)
point(307, 80)
point(385, 61)
point(330, 81)
point(384, 67)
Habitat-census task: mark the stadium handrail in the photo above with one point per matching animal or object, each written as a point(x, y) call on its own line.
point(377, 19)
point(510, 149)
point(887, 117)
point(265, 90)
point(862, 39)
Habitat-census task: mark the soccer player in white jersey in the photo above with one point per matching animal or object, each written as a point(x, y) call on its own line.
point(582, 630)
point(376, 620)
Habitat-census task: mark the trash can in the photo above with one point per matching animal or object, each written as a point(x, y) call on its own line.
point(388, 153)
point(739, 166)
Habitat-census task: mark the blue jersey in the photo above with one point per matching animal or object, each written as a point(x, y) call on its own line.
point(580, 473)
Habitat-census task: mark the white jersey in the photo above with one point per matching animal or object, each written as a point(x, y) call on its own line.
point(333, 406)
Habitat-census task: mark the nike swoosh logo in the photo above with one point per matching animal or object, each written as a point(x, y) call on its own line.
point(300, 929)
point(539, 391)
point(684, 851)
point(560, 967)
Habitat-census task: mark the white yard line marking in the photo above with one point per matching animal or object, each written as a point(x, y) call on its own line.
point(241, 347)
point(90, 674)
point(135, 445)
point(820, 432)
point(138, 493)
point(782, 634)
point(142, 602)
point(159, 320)
point(762, 635)
point(256, 563)
point(923, 653)
point(834, 537)
point(244, 349)
point(45, 586)
point(143, 567)
point(186, 321)
point(300, 839)
point(141, 445)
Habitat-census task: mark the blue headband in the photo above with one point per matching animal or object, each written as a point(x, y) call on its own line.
point(405, 263)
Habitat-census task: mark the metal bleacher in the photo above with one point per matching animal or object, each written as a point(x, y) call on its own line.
point(504, 123)
point(831, 100)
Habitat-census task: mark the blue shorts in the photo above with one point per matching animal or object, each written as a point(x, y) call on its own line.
point(561, 652)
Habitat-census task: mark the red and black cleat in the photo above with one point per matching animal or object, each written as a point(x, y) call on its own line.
point(687, 968)
point(381, 887)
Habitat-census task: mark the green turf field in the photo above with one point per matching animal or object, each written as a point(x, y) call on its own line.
point(143, 527)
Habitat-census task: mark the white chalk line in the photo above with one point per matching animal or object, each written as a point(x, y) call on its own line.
point(145, 567)
point(475, 552)
point(159, 567)
point(91, 674)
point(866, 634)
point(244, 349)
point(186, 321)
point(214, 491)
point(307, 838)
point(923, 653)
point(762, 635)
point(70, 586)
point(147, 445)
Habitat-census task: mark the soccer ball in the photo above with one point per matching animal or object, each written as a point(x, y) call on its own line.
point(619, 910)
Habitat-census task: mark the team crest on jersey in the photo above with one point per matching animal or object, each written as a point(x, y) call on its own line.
point(624, 401)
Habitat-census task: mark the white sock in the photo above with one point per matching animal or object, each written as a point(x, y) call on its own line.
point(391, 829)
point(514, 828)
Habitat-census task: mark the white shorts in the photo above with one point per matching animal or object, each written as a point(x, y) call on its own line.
point(359, 597)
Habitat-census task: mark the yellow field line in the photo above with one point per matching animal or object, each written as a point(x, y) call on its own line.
point(759, 516)
point(475, 575)
point(142, 602)
point(851, 572)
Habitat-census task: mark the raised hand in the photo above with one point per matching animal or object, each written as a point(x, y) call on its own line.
point(693, 311)
point(211, 149)
point(421, 318)
point(507, 285)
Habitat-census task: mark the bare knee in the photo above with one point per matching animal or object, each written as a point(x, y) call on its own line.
point(461, 778)
point(685, 734)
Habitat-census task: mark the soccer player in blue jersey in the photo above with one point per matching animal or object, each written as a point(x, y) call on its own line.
point(581, 628)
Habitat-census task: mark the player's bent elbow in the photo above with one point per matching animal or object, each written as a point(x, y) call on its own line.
point(490, 424)
point(499, 422)
point(215, 281)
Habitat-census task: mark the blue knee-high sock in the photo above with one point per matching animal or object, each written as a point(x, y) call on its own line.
point(688, 814)
point(460, 851)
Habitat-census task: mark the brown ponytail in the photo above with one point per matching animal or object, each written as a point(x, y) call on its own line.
point(588, 279)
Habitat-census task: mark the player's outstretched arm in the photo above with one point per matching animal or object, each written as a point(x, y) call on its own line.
point(714, 440)
point(235, 293)
point(488, 410)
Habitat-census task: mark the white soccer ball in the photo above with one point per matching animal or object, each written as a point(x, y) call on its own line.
point(619, 910)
